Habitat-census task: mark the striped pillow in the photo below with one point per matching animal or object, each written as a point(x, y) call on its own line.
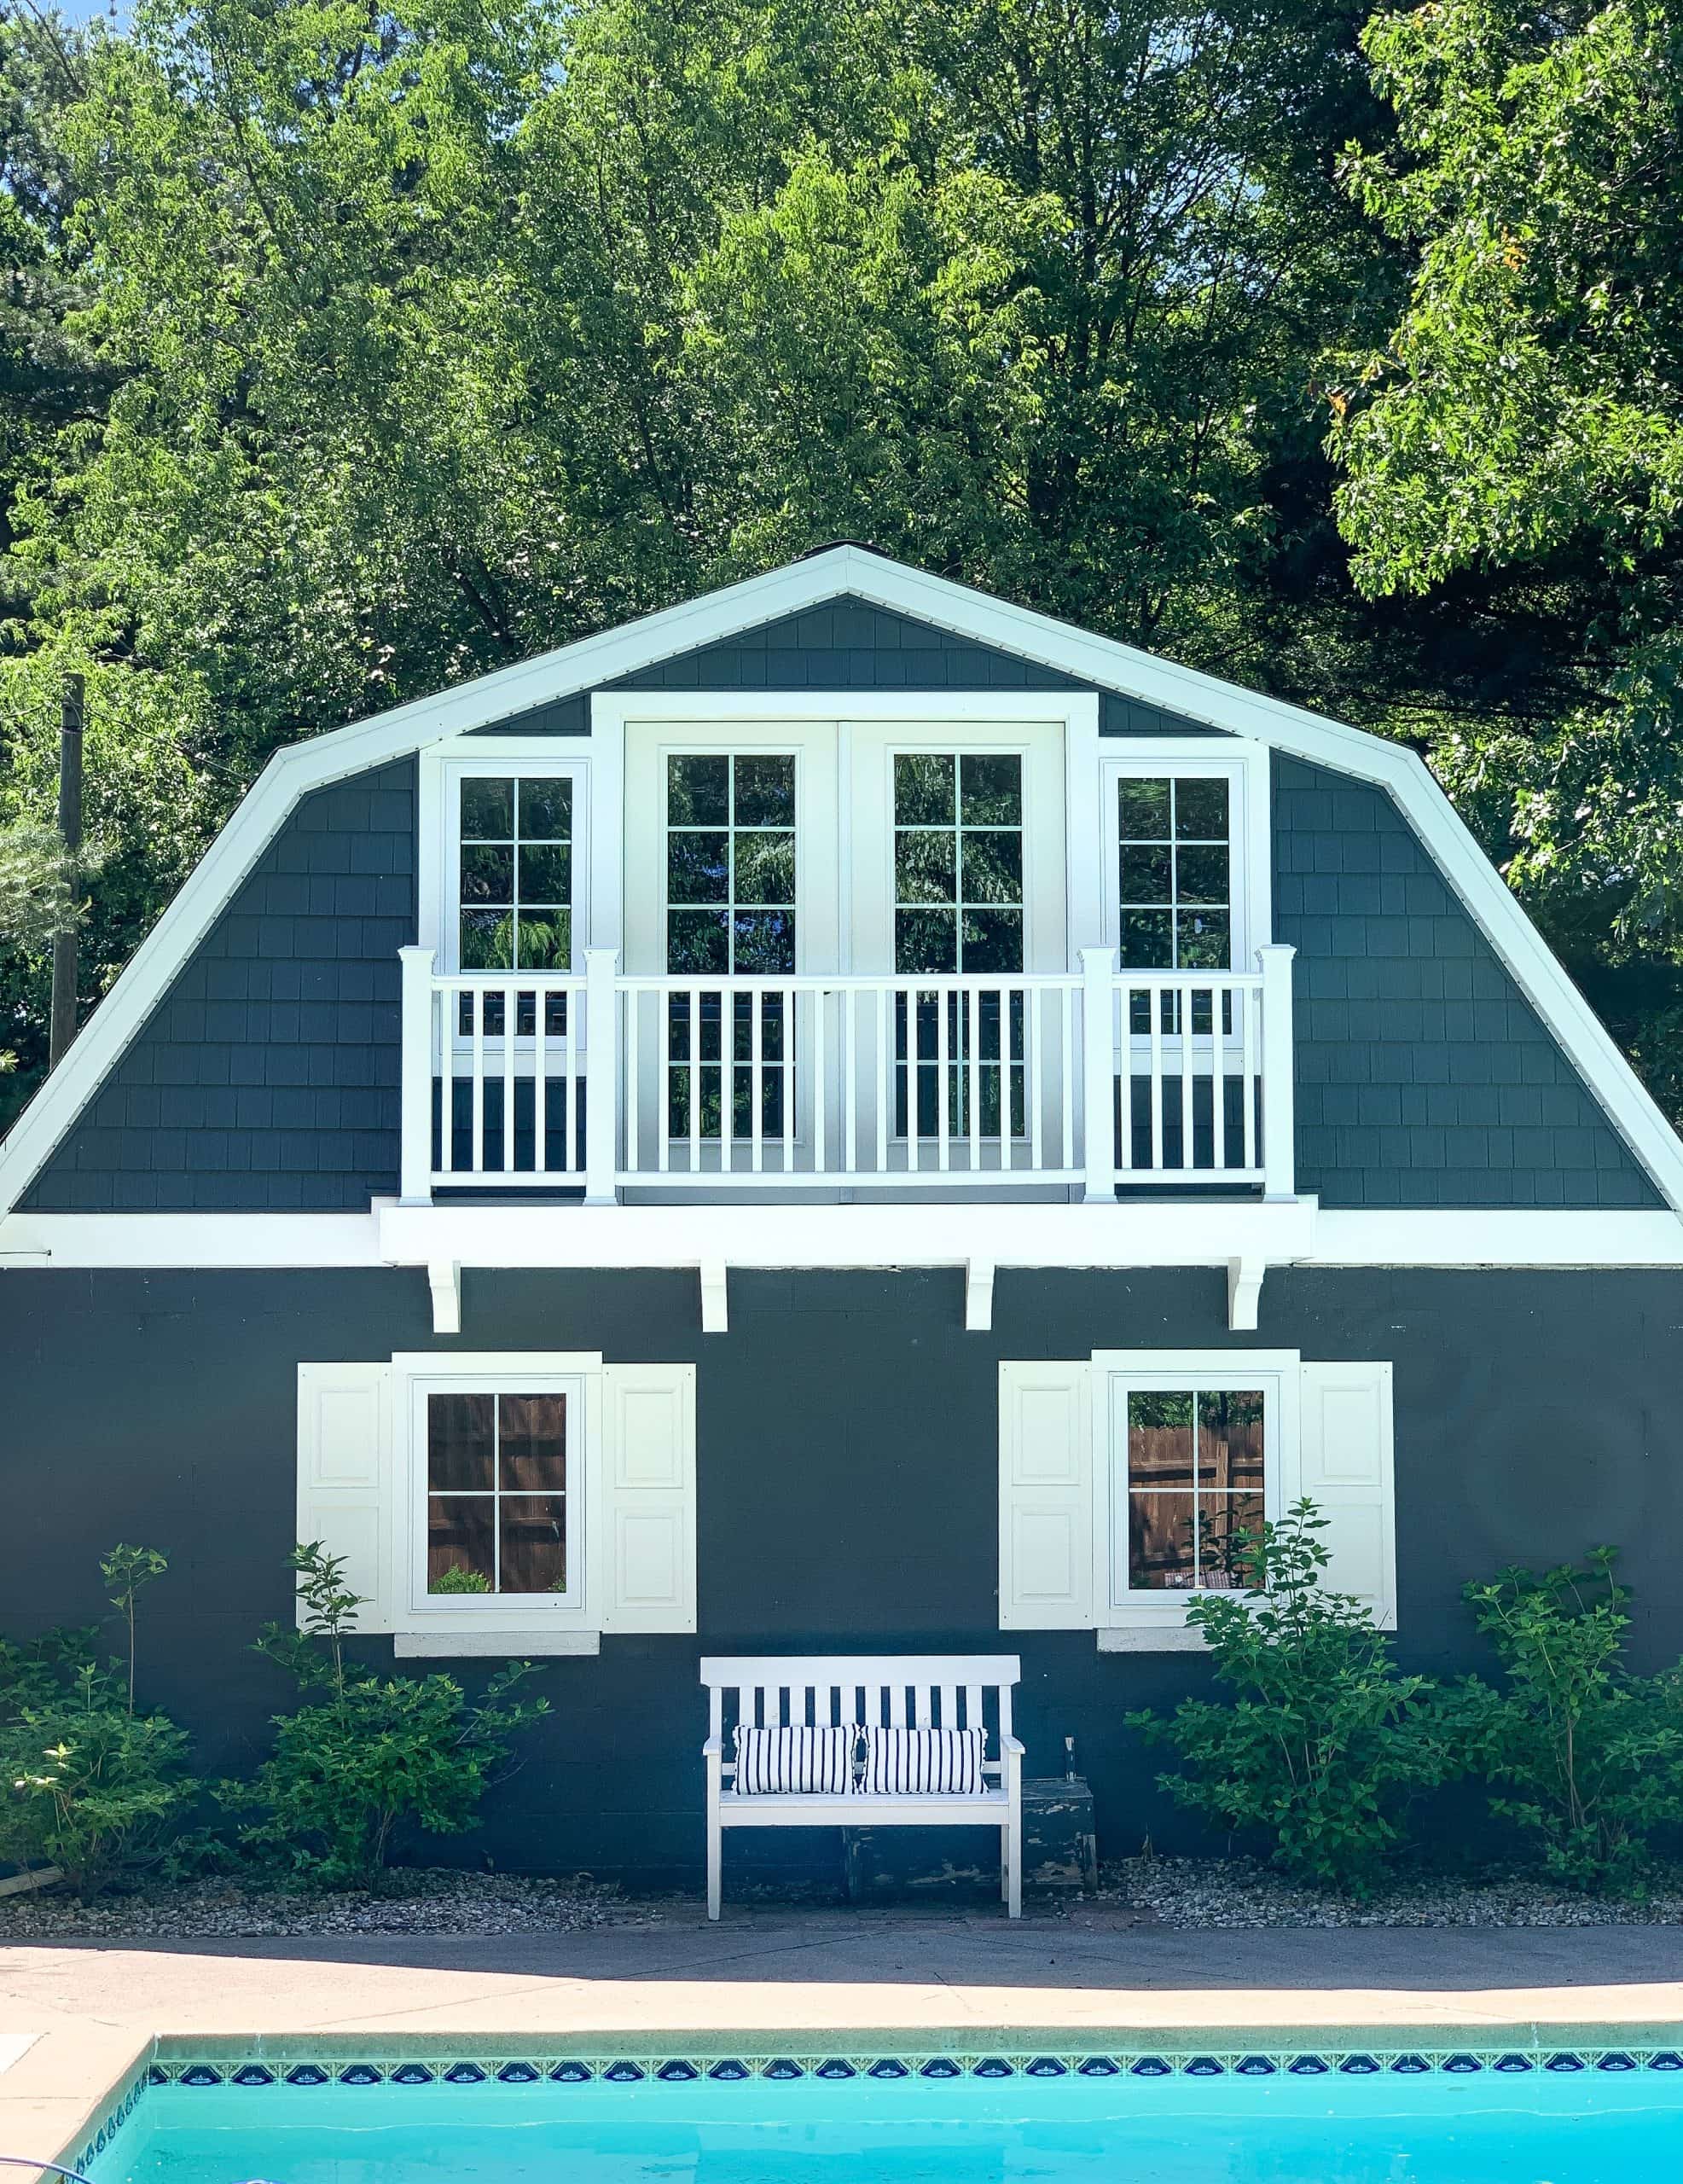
point(780, 1762)
point(926, 1763)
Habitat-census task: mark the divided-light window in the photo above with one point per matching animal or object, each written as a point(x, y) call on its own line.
point(497, 1492)
point(958, 861)
point(1193, 1485)
point(514, 875)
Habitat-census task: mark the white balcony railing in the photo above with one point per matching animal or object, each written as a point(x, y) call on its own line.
point(1089, 1080)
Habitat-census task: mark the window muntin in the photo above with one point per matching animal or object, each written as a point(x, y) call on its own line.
point(1175, 871)
point(958, 861)
point(498, 1492)
point(1191, 1480)
point(514, 872)
point(730, 867)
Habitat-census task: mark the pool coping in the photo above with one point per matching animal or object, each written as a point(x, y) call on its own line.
point(486, 2059)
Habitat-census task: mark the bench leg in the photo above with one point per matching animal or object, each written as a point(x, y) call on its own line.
point(1011, 1869)
point(715, 1865)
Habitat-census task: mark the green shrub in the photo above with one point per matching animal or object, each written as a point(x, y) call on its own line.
point(367, 1753)
point(90, 1785)
point(1324, 1741)
point(1589, 1757)
point(459, 1581)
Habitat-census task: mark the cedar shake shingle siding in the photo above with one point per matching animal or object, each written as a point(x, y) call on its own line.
point(1424, 1076)
point(267, 1080)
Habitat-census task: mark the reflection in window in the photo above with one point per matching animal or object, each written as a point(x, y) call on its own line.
point(730, 911)
point(1194, 1485)
point(496, 1488)
point(730, 864)
point(958, 861)
point(514, 872)
point(1173, 859)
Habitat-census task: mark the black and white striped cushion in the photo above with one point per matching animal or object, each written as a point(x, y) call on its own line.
point(925, 1763)
point(780, 1762)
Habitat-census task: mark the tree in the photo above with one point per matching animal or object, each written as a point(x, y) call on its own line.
point(1523, 422)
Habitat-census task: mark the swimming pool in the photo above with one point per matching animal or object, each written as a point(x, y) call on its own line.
point(1522, 2117)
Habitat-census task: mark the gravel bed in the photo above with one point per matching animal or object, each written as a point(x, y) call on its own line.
point(417, 1900)
point(1206, 1894)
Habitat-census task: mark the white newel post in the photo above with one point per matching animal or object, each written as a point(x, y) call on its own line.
point(1098, 1050)
point(1279, 1169)
point(601, 1074)
point(415, 1167)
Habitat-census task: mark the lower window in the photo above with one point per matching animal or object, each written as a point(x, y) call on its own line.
point(1193, 1463)
point(496, 1492)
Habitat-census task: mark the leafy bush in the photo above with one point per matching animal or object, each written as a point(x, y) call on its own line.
point(459, 1581)
point(369, 1752)
point(1325, 1740)
point(90, 1786)
point(1590, 1755)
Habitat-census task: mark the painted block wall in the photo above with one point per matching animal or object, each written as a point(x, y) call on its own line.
point(267, 1079)
point(847, 1466)
point(1424, 1076)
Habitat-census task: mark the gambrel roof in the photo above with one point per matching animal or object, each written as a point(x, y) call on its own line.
point(513, 695)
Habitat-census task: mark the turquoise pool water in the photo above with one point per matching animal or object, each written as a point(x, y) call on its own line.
point(1584, 2127)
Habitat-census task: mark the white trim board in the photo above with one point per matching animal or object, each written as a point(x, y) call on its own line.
point(1199, 1233)
point(843, 571)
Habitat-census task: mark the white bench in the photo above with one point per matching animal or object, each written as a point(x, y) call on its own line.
point(924, 1691)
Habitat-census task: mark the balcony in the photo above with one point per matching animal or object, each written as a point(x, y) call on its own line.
point(608, 1087)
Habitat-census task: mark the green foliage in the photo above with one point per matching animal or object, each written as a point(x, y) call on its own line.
point(90, 1785)
point(38, 881)
point(1524, 420)
point(1324, 1741)
point(1590, 1755)
point(460, 1580)
point(367, 1753)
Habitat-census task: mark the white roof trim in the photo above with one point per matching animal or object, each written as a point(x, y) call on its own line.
point(842, 570)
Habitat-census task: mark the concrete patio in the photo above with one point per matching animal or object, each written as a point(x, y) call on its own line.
point(853, 1979)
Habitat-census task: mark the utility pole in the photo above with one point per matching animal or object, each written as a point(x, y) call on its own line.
point(63, 1029)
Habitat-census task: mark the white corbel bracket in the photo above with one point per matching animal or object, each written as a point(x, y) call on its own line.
point(715, 1297)
point(978, 1296)
point(1244, 1291)
point(443, 1278)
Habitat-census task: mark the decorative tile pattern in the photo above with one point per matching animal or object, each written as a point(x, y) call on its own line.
point(203, 2072)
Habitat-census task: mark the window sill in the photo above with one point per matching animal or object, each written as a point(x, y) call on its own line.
point(497, 1645)
point(1152, 1638)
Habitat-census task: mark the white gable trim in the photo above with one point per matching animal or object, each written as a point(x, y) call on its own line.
point(841, 571)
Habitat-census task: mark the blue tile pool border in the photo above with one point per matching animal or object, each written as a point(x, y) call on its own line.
point(438, 2067)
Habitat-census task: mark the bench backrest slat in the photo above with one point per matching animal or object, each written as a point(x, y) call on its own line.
point(833, 1692)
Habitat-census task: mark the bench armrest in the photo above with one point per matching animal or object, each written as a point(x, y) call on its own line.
point(713, 1749)
point(1014, 1746)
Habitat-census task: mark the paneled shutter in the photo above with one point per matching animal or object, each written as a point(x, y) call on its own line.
point(345, 1486)
point(1045, 1496)
point(1346, 1469)
point(649, 1488)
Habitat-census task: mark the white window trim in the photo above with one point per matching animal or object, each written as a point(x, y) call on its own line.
point(439, 828)
point(691, 715)
point(1154, 1616)
point(1244, 766)
point(514, 1620)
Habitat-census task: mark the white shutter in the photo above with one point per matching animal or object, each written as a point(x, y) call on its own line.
point(1346, 1469)
point(345, 1489)
point(1045, 1496)
point(647, 1562)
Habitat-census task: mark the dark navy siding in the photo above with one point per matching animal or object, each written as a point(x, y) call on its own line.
point(850, 644)
point(847, 1480)
point(267, 1078)
point(1424, 1076)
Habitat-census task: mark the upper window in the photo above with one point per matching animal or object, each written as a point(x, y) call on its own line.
point(958, 861)
point(497, 1492)
point(730, 862)
point(514, 873)
point(1174, 872)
